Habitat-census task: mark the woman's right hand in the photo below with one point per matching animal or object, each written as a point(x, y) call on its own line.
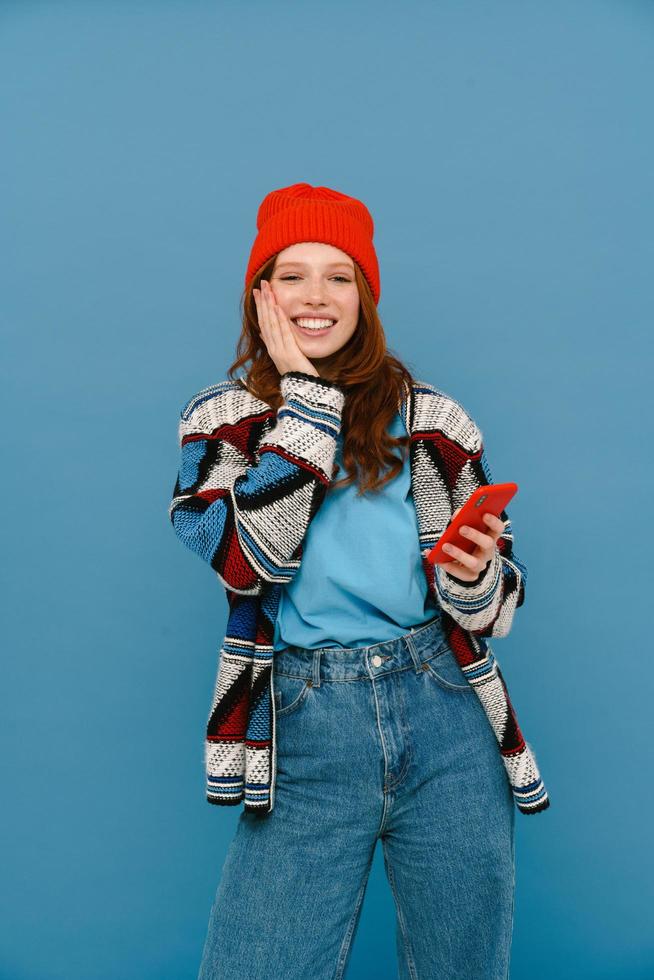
point(277, 334)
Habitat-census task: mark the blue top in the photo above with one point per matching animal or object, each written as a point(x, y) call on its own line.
point(360, 577)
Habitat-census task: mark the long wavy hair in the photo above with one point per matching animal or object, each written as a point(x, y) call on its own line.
point(370, 375)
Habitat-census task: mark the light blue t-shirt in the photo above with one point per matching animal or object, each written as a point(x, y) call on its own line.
point(360, 579)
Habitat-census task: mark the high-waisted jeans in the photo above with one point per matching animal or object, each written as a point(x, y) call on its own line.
point(386, 742)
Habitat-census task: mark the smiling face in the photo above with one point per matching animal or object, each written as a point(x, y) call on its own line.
point(314, 280)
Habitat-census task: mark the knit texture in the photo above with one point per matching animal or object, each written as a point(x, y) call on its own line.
point(249, 483)
point(302, 213)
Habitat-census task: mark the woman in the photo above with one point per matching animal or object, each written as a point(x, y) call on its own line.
point(344, 708)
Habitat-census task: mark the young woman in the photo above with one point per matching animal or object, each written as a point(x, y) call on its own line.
point(355, 679)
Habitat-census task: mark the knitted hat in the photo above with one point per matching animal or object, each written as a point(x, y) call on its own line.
point(302, 213)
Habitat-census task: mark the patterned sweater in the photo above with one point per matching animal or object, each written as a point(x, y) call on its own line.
point(249, 483)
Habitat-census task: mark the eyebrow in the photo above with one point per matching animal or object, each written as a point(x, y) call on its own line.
point(331, 265)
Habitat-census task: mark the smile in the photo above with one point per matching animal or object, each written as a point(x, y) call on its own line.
point(312, 325)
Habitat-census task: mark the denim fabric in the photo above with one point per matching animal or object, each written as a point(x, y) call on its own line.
point(386, 742)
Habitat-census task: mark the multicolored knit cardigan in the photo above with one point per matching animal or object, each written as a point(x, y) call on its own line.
point(250, 482)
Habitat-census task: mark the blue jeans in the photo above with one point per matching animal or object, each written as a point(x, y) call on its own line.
point(382, 742)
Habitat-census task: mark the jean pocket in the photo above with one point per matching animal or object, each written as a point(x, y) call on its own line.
point(290, 692)
point(445, 670)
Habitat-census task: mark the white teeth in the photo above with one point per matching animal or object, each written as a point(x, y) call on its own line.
point(312, 324)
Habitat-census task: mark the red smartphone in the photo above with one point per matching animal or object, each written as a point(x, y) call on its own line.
point(489, 499)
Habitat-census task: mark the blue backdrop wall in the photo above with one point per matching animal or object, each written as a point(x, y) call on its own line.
point(505, 152)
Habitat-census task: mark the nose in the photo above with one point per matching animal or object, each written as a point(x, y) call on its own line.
point(314, 293)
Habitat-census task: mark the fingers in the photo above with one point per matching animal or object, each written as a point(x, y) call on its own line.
point(495, 524)
point(276, 338)
point(486, 546)
point(262, 312)
point(471, 562)
point(466, 573)
point(483, 540)
point(287, 345)
point(281, 325)
point(265, 315)
point(453, 568)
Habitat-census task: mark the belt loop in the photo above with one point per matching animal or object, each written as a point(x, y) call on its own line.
point(408, 639)
point(316, 667)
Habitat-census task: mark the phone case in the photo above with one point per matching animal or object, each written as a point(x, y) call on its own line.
point(489, 499)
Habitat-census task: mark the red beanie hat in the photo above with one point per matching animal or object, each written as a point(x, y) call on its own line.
point(302, 213)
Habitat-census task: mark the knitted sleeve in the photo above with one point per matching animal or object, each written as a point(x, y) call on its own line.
point(246, 512)
point(485, 606)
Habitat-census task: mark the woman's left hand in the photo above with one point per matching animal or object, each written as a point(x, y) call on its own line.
point(468, 566)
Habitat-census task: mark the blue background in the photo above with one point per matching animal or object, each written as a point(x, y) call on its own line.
point(505, 152)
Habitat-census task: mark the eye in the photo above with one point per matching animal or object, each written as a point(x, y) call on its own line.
point(289, 278)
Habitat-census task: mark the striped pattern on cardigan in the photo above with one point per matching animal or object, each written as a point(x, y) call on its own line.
point(249, 483)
